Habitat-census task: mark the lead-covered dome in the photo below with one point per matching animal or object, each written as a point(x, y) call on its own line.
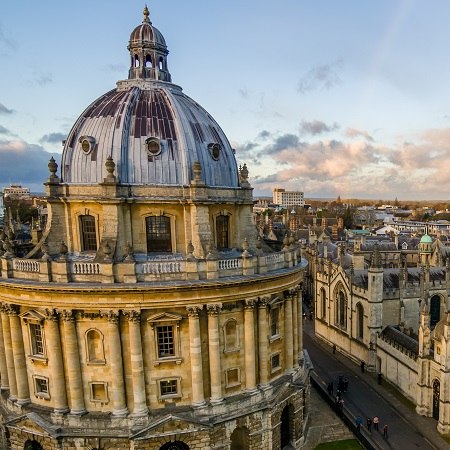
point(149, 127)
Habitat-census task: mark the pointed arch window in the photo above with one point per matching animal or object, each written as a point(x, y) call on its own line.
point(435, 310)
point(359, 321)
point(341, 310)
point(323, 303)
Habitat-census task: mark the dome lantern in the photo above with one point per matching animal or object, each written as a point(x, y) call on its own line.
point(148, 52)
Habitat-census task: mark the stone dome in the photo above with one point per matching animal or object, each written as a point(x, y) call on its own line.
point(153, 132)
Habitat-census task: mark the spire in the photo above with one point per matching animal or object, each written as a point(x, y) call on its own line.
point(376, 258)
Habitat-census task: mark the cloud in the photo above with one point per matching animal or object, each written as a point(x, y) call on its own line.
point(354, 166)
point(42, 79)
point(321, 77)
point(5, 110)
point(316, 127)
point(23, 163)
point(6, 41)
point(5, 131)
point(118, 68)
point(53, 138)
point(353, 132)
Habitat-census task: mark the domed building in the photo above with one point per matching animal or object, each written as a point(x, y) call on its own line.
point(150, 315)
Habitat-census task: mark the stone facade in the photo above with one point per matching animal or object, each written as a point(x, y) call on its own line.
point(148, 314)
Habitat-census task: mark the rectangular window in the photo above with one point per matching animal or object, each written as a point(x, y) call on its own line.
point(37, 341)
point(275, 362)
point(88, 233)
point(222, 225)
point(233, 377)
point(166, 342)
point(274, 319)
point(99, 392)
point(41, 386)
point(159, 237)
point(168, 387)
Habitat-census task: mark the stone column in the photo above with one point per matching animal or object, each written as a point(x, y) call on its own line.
point(115, 355)
point(3, 366)
point(295, 324)
point(70, 345)
point(137, 364)
point(195, 349)
point(288, 332)
point(9, 353)
point(263, 344)
point(55, 363)
point(20, 365)
point(300, 323)
point(215, 369)
point(249, 345)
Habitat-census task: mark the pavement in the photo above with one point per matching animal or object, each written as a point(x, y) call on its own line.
point(366, 398)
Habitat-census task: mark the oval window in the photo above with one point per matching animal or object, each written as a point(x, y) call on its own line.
point(153, 146)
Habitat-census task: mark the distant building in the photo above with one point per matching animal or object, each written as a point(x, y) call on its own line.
point(288, 198)
point(17, 191)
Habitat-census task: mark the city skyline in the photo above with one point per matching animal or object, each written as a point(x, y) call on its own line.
point(330, 98)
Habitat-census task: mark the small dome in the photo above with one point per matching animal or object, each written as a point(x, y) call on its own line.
point(426, 239)
point(146, 33)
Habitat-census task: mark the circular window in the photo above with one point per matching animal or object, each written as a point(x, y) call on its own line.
point(87, 143)
point(214, 150)
point(86, 146)
point(153, 145)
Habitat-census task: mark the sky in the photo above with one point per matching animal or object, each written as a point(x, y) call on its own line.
point(348, 97)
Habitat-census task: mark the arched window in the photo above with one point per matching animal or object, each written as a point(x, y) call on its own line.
point(286, 426)
point(161, 64)
point(148, 61)
point(136, 61)
point(88, 233)
point(231, 335)
point(359, 321)
point(435, 310)
point(222, 232)
point(32, 445)
point(239, 439)
point(323, 303)
point(176, 445)
point(94, 345)
point(159, 235)
point(341, 310)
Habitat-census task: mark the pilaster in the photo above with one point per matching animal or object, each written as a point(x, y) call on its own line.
point(249, 344)
point(215, 369)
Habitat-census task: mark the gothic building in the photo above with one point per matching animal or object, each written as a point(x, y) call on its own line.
point(149, 315)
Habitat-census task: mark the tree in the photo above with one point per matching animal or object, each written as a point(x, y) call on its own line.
point(348, 218)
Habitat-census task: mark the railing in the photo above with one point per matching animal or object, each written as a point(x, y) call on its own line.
point(230, 264)
point(276, 258)
point(26, 265)
point(162, 267)
point(85, 268)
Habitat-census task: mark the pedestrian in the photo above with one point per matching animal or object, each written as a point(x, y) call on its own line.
point(310, 315)
point(385, 431)
point(339, 394)
point(340, 384)
point(304, 317)
point(334, 349)
point(369, 424)
point(362, 365)
point(330, 388)
point(358, 423)
point(341, 406)
point(379, 377)
point(376, 421)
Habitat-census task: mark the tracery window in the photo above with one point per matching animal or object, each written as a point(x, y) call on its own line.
point(88, 233)
point(360, 321)
point(341, 310)
point(159, 235)
point(323, 303)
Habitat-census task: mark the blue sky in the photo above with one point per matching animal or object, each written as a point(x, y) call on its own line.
point(348, 97)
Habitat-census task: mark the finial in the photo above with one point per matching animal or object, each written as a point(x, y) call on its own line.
point(146, 15)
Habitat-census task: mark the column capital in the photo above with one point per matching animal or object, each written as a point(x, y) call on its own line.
point(214, 309)
point(194, 310)
point(51, 314)
point(111, 316)
point(264, 301)
point(290, 293)
point(10, 309)
point(67, 315)
point(250, 303)
point(133, 315)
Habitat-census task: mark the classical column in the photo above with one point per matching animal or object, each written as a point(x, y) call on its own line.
point(263, 343)
point(195, 349)
point(70, 343)
point(55, 362)
point(249, 344)
point(3, 366)
point(288, 332)
point(137, 363)
point(115, 355)
point(300, 323)
point(295, 324)
point(20, 365)
point(9, 353)
point(215, 369)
